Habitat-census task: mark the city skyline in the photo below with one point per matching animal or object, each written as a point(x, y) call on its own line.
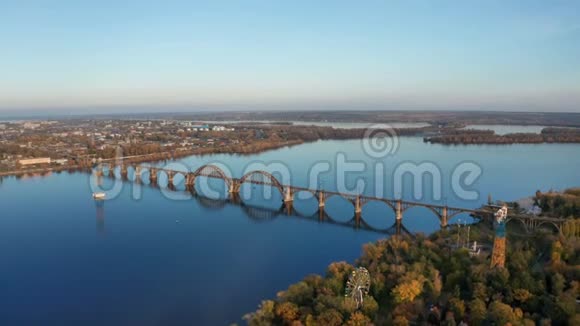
point(180, 56)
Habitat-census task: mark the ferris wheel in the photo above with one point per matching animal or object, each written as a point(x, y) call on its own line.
point(358, 285)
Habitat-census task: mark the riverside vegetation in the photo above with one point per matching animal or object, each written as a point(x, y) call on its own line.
point(427, 281)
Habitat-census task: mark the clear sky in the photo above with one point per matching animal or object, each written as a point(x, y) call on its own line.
point(302, 55)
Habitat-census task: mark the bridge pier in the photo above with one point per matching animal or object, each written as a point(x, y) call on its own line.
point(191, 190)
point(124, 171)
point(288, 195)
point(288, 207)
point(288, 199)
point(170, 175)
point(444, 216)
point(190, 181)
point(234, 197)
point(398, 226)
point(234, 186)
point(138, 172)
point(321, 203)
point(321, 200)
point(153, 175)
point(357, 210)
point(399, 210)
point(321, 215)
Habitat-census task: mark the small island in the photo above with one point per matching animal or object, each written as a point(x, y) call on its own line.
point(470, 136)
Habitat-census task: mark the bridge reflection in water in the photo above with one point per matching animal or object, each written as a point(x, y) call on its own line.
point(100, 205)
point(264, 214)
point(254, 212)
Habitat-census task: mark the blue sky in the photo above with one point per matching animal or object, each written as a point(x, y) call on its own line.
point(302, 55)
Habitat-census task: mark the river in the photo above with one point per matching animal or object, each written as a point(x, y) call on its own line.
point(142, 258)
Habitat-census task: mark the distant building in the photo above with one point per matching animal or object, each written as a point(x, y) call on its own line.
point(32, 161)
point(31, 125)
point(200, 128)
point(61, 161)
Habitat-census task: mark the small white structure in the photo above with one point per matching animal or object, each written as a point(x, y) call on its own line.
point(61, 161)
point(474, 250)
point(32, 161)
point(99, 195)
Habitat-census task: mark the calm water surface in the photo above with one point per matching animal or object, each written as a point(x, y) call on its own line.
point(67, 260)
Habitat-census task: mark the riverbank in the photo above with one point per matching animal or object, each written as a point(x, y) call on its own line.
point(246, 139)
point(157, 157)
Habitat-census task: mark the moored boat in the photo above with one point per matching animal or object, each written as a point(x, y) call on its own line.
point(98, 195)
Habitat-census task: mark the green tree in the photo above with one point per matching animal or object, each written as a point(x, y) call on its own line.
point(370, 306)
point(479, 291)
point(557, 282)
point(522, 295)
point(330, 317)
point(498, 280)
point(300, 293)
point(457, 306)
point(500, 313)
point(287, 311)
point(477, 311)
point(408, 291)
point(400, 321)
point(358, 319)
point(263, 316)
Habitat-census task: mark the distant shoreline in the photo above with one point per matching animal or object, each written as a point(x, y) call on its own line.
point(556, 119)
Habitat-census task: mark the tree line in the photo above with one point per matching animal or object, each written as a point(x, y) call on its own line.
point(424, 281)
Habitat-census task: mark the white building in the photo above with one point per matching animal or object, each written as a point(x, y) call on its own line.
point(31, 161)
point(31, 125)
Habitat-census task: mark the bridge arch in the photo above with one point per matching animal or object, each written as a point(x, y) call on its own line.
point(429, 207)
point(212, 171)
point(551, 225)
point(391, 229)
point(211, 203)
point(304, 194)
point(171, 174)
point(451, 213)
point(378, 214)
point(378, 200)
point(338, 208)
point(263, 178)
point(260, 214)
point(520, 221)
point(345, 197)
point(305, 202)
point(421, 218)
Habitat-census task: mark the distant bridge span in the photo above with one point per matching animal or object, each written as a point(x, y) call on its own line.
point(443, 212)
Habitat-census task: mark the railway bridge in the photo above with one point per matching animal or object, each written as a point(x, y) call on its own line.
point(443, 212)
